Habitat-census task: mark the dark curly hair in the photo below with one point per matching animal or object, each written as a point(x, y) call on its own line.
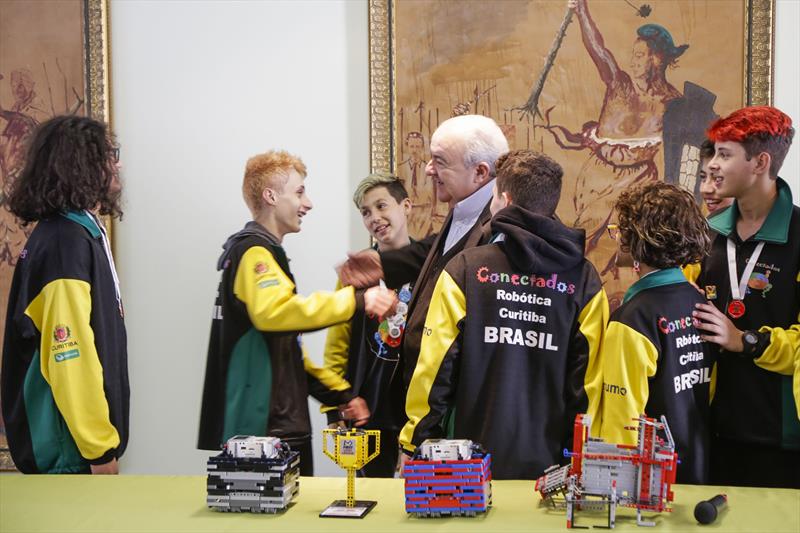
point(69, 167)
point(661, 225)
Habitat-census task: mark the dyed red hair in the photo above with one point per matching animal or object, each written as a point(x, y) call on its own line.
point(759, 129)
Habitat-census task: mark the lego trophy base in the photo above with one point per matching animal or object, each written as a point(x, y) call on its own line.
point(339, 509)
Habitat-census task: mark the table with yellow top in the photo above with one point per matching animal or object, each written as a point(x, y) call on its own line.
point(177, 503)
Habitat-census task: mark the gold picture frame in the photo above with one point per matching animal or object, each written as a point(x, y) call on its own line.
point(87, 25)
point(432, 59)
point(759, 58)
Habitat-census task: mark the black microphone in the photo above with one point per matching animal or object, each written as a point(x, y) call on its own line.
point(706, 511)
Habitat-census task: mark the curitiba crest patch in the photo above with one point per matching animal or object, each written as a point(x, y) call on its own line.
point(61, 333)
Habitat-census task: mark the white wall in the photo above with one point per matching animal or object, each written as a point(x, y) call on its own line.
point(787, 82)
point(198, 86)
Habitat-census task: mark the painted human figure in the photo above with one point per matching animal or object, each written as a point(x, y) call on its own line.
point(20, 120)
point(627, 135)
point(421, 189)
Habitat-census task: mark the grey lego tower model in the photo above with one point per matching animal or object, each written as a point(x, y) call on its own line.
point(256, 474)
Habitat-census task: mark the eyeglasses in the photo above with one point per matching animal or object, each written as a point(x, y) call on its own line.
point(115, 153)
point(613, 231)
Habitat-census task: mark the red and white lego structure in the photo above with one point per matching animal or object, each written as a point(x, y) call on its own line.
point(603, 474)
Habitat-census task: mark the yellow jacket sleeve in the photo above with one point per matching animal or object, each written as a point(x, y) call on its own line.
point(592, 323)
point(337, 351)
point(272, 304)
point(796, 382)
point(432, 384)
point(781, 353)
point(71, 366)
point(692, 272)
point(629, 359)
point(324, 385)
point(337, 346)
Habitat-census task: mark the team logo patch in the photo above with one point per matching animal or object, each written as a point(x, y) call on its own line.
point(261, 268)
point(61, 333)
point(65, 356)
point(760, 282)
point(711, 292)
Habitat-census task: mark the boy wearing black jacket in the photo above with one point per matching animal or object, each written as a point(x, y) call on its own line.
point(257, 375)
point(752, 282)
point(509, 347)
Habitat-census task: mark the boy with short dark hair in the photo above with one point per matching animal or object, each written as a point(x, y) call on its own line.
point(752, 279)
point(366, 350)
point(257, 375)
point(513, 372)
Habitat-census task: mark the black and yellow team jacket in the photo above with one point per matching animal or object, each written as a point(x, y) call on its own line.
point(509, 346)
point(257, 376)
point(366, 353)
point(65, 390)
point(654, 362)
point(753, 401)
point(401, 266)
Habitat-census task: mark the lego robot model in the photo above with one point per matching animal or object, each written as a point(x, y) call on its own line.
point(256, 474)
point(448, 477)
point(608, 475)
point(351, 451)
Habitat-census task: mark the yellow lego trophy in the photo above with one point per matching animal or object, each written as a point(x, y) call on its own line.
point(351, 452)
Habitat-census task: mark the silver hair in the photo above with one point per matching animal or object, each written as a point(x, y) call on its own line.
point(482, 139)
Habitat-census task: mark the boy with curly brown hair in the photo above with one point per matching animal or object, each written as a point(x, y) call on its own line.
point(653, 358)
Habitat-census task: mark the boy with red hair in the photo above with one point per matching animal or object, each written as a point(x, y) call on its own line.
point(752, 279)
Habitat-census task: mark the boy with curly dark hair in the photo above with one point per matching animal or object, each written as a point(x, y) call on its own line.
point(65, 365)
point(653, 358)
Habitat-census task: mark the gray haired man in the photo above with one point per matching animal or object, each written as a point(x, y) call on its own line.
point(464, 150)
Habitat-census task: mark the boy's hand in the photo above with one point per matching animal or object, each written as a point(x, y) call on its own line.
point(719, 328)
point(402, 459)
point(111, 467)
point(362, 269)
point(379, 301)
point(356, 410)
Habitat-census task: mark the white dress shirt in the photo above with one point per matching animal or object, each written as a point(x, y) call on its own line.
point(465, 213)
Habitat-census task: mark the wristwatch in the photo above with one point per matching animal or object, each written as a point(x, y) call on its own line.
point(750, 341)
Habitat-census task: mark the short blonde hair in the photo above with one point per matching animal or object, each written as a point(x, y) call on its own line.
point(391, 182)
point(270, 169)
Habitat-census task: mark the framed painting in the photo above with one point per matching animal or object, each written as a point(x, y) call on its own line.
point(617, 91)
point(53, 61)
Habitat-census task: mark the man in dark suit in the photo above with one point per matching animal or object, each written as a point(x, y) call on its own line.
point(464, 150)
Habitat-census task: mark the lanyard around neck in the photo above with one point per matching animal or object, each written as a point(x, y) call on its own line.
point(738, 289)
point(110, 258)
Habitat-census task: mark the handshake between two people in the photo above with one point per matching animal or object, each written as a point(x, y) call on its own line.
point(363, 270)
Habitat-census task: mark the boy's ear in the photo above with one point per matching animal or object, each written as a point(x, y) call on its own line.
point(763, 162)
point(406, 203)
point(269, 196)
point(507, 201)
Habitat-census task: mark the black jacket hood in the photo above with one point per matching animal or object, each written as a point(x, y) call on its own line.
point(538, 243)
point(250, 229)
